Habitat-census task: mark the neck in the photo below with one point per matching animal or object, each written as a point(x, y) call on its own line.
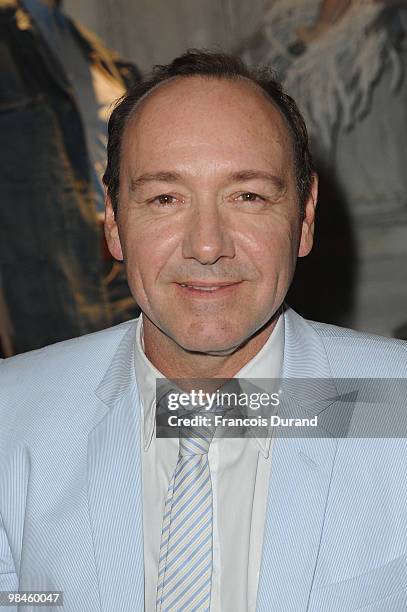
point(175, 362)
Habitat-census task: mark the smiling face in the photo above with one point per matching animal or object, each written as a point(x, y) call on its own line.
point(208, 222)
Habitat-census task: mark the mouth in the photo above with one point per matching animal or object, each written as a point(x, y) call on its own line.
point(200, 288)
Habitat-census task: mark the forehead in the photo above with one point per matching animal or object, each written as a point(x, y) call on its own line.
point(201, 116)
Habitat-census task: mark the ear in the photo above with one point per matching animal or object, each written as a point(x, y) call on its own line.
point(112, 231)
point(307, 229)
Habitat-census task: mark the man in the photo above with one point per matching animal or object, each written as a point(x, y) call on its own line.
point(58, 82)
point(210, 200)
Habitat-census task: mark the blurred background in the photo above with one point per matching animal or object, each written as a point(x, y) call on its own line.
point(344, 62)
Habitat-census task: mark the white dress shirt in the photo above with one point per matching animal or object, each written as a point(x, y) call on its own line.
point(240, 471)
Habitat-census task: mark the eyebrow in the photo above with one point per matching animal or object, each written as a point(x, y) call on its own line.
point(174, 177)
point(247, 175)
point(149, 177)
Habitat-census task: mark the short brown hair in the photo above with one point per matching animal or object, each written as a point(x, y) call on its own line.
point(212, 65)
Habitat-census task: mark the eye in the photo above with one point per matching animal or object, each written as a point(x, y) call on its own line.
point(164, 199)
point(249, 196)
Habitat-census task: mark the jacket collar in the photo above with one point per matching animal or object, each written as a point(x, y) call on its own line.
point(114, 486)
point(120, 374)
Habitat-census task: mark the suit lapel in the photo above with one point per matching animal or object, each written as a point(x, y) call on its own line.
point(114, 486)
point(301, 471)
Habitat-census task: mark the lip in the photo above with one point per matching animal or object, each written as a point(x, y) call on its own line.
point(207, 289)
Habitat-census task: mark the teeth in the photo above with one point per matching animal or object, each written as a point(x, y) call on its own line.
point(200, 288)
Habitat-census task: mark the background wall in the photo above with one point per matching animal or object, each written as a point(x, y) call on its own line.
point(154, 31)
point(356, 275)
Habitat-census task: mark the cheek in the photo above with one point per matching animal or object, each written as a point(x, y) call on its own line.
point(148, 248)
point(273, 248)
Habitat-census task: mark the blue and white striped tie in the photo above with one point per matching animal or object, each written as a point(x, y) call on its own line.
point(185, 565)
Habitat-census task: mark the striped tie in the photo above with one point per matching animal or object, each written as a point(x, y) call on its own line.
point(185, 565)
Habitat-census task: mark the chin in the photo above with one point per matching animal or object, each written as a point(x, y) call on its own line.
point(214, 342)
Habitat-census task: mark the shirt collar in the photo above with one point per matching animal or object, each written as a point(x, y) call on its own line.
point(266, 364)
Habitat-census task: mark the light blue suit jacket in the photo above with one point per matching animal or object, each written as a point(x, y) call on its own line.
point(70, 481)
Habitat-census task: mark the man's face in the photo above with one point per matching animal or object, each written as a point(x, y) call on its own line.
point(208, 221)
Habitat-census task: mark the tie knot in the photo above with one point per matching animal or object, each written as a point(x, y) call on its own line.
point(197, 423)
point(196, 440)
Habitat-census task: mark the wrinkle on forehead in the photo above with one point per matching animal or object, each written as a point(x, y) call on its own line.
point(214, 124)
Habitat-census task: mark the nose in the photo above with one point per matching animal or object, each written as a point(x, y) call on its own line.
point(207, 237)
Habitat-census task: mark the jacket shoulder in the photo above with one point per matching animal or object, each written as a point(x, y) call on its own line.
point(357, 354)
point(71, 362)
